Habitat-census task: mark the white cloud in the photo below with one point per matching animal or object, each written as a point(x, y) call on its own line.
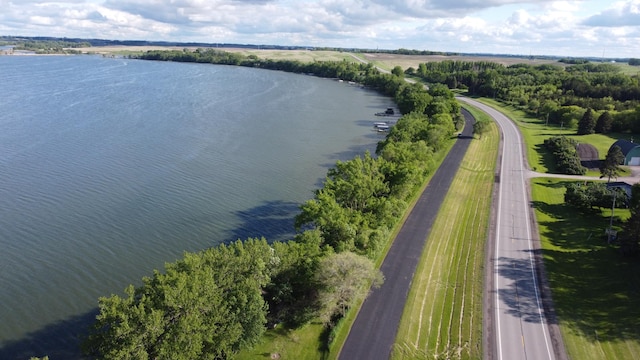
point(625, 13)
point(575, 28)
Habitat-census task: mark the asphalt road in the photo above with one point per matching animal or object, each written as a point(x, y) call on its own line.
point(519, 328)
point(374, 330)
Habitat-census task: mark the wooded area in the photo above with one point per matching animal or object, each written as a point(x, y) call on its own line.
point(559, 94)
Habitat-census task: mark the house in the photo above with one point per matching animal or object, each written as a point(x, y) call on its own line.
point(621, 185)
point(630, 150)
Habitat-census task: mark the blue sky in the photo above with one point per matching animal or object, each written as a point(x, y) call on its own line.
point(537, 27)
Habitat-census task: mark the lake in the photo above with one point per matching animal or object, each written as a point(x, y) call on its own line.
point(111, 167)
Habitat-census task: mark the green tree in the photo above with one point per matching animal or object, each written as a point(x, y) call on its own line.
point(587, 123)
point(610, 167)
point(344, 278)
point(357, 184)
point(480, 127)
point(604, 123)
point(565, 154)
point(406, 166)
point(397, 71)
point(411, 97)
point(337, 224)
point(291, 294)
point(587, 196)
point(208, 305)
point(577, 195)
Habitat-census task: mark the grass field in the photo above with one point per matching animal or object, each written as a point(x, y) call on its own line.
point(596, 291)
point(443, 313)
point(299, 55)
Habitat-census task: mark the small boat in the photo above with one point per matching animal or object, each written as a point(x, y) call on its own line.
point(388, 112)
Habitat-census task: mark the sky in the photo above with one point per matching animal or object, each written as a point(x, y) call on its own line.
point(593, 28)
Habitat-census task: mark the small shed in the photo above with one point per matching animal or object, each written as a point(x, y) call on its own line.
point(630, 150)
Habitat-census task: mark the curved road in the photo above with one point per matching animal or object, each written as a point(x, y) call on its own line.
point(515, 314)
point(374, 331)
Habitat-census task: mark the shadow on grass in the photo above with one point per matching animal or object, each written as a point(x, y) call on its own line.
point(60, 340)
point(548, 160)
point(596, 291)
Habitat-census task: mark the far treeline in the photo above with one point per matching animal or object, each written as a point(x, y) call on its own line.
point(560, 95)
point(214, 303)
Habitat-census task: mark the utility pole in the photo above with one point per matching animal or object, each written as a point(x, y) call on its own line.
point(610, 232)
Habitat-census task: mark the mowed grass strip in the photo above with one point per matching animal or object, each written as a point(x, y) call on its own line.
point(596, 291)
point(443, 313)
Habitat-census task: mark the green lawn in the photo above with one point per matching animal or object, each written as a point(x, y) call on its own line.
point(596, 291)
point(302, 343)
point(443, 313)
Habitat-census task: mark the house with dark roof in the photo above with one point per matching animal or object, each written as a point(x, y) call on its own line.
point(630, 150)
point(621, 185)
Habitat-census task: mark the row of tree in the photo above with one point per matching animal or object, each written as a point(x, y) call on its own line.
point(59, 46)
point(216, 302)
point(558, 94)
point(565, 153)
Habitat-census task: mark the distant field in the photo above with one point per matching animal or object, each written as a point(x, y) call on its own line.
point(299, 55)
point(405, 61)
point(385, 61)
point(125, 49)
point(382, 60)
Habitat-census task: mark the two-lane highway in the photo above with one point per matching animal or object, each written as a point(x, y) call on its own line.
point(519, 328)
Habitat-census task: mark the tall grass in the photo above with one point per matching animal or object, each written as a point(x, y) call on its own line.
point(443, 313)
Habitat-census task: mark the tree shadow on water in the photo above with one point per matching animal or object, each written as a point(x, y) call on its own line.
point(273, 220)
point(356, 150)
point(60, 340)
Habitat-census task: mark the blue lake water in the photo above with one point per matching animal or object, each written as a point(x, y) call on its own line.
point(111, 167)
